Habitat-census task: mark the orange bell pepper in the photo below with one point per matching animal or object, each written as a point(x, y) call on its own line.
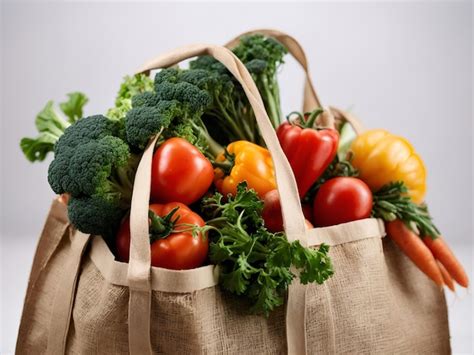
point(244, 161)
point(382, 157)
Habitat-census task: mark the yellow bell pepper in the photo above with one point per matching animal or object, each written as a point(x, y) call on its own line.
point(382, 157)
point(244, 161)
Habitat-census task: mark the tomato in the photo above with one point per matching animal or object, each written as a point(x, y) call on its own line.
point(180, 173)
point(307, 211)
point(178, 250)
point(341, 200)
point(271, 212)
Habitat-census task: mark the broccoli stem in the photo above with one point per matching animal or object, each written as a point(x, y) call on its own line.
point(276, 97)
point(245, 122)
point(57, 127)
point(230, 121)
point(122, 180)
point(269, 99)
point(214, 148)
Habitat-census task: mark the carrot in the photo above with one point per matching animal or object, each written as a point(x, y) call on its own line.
point(413, 247)
point(448, 280)
point(441, 251)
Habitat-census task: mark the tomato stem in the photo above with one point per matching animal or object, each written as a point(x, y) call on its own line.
point(161, 227)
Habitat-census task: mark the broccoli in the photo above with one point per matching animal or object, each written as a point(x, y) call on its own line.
point(176, 106)
point(229, 106)
point(93, 164)
point(262, 56)
point(51, 126)
point(144, 121)
point(131, 86)
point(93, 215)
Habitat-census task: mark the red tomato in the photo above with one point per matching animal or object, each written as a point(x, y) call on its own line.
point(307, 211)
point(179, 250)
point(341, 200)
point(180, 173)
point(271, 212)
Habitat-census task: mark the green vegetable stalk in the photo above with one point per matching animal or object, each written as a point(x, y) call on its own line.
point(230, 113)
point(93, 164)
point(393, 202)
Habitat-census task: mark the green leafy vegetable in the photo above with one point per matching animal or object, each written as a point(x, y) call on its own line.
point(263, 56)
point(393, 202)
point(230, 114)
point(131, 86)
point(254, 262)
point(175, 105)
point(92, 163)
point(73, 107)
point(51, 126)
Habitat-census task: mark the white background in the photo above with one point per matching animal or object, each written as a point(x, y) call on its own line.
point(404, 66)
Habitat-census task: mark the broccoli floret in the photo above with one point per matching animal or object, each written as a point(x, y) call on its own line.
point(145, 121)
point(263, 56)
point(51, 126)
point(229, 109)
point(176, 105)
point(84, 130)
point(130, 87)
point(94, 215)
point(93, 164)
point(145, 99)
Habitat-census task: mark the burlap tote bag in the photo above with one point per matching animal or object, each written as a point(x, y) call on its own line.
point(81, 301)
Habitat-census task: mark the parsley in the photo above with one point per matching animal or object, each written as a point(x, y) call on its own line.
point(255, 263)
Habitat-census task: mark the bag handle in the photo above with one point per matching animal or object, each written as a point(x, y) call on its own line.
point(311, 99)
point(291, 209)
point(139, 262)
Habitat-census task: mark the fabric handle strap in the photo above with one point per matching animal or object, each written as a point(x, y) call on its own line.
point(292, 214)
point(65, 295)
point(139, 310)
point(311, 98)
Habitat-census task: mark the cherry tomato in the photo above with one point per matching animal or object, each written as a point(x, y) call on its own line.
point(271, 212)
point(179, 250)
point(180, 173)
point(341, 200)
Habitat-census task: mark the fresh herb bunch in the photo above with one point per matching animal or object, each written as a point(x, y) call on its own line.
point(254, 262)
point(393, 202)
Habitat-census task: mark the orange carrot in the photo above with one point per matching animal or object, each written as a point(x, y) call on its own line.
point(448, 280)
point(441, 251)
point(413, 247)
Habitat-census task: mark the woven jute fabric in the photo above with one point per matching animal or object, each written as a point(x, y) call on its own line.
point(376, 302)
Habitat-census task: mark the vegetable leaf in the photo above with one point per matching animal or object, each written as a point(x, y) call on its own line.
point(392, 201)
point(254, 262)
point(72, 108)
